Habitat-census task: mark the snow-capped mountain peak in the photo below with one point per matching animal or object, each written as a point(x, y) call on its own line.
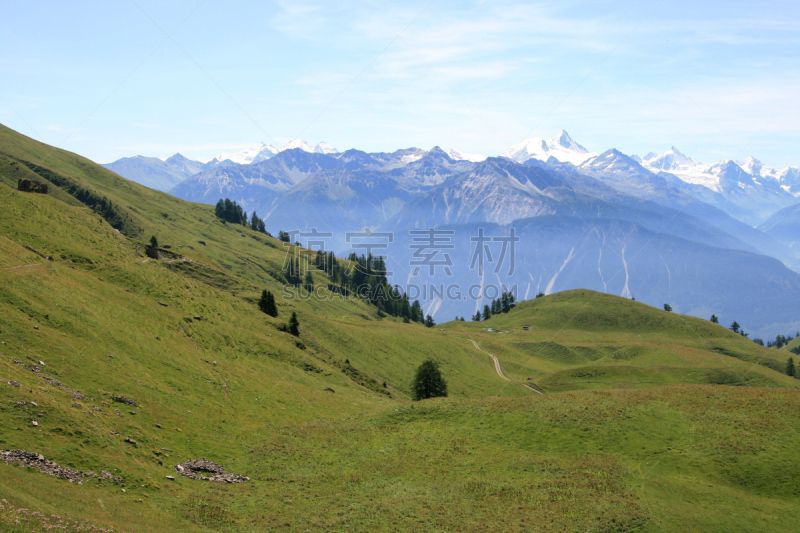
point(319, 148)
point(561, 147)
point(751, 165)
point(564, 141)
point(253, 154)
point(672, 159)
point(458, 155)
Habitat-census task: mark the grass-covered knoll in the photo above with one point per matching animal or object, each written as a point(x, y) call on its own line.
point(587, 340)
point(214, 377)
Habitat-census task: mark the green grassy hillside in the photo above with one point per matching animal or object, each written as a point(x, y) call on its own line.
point(649, 421)
point(587, 340)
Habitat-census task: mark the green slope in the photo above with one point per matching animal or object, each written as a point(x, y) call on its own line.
point(586, 340)
point(631, 433)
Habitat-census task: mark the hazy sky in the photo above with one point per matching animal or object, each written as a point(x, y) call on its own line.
point(107, 79)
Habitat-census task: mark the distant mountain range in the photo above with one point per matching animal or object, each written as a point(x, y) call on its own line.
point(164, 174)
point(663, 227)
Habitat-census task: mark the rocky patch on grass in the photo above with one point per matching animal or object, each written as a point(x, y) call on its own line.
point(126, 401)
point(37, 461)
point(195, 469)
point(76, 394)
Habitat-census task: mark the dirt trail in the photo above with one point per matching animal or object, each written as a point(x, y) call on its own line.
point(498, 369)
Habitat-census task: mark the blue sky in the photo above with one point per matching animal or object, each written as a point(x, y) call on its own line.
point(113, 79)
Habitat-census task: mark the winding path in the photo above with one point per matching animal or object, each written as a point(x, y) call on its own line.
point(498, 369)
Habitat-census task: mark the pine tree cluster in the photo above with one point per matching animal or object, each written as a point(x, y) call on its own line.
point(232, 212)
point(366, 276)
point(504, 304)
point(780, 341)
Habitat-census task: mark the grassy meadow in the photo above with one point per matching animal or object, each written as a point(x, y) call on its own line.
point(647, 421)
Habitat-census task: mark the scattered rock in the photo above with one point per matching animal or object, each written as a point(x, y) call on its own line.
point(126, 401)
point(12, 383)
point(77, 405)
point(34, 404)
point(35, 423)
point(111, 356)
point(37, 461)
point(54, 382)
point(214, 363)
point(329, 389)
point(158, 426)
point(198, 318)
point(132, 412)
point(41, 363)
point(35, 327)
point(171, 478)
point(77, 395)
point(114, 432)
point(22, 403)
point(162, 303)
point(130, 441)
point(194, 469)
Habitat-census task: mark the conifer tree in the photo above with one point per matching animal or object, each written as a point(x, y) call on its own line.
point(309, 282)
point(267, 304)
point(487, 312)
point(790, 368)
point(294, 325)
point(262, 302)
point(416, 312)
point(714, 319)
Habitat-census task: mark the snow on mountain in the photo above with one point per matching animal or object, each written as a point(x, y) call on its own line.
point(319, 148)
point(709, 174)
point(253, 154)
point(458, 155)
point(788, 178)
point(669, 160)
point(325, 148)
point(561, 147)
point(684, 167)
point(262, 151)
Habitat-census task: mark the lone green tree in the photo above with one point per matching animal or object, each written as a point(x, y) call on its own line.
point(790, 368)
point(735, 327)
point(428, 382)
point(154, 241)
point(294, 325)
point(667, 308)
point(714, 319)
